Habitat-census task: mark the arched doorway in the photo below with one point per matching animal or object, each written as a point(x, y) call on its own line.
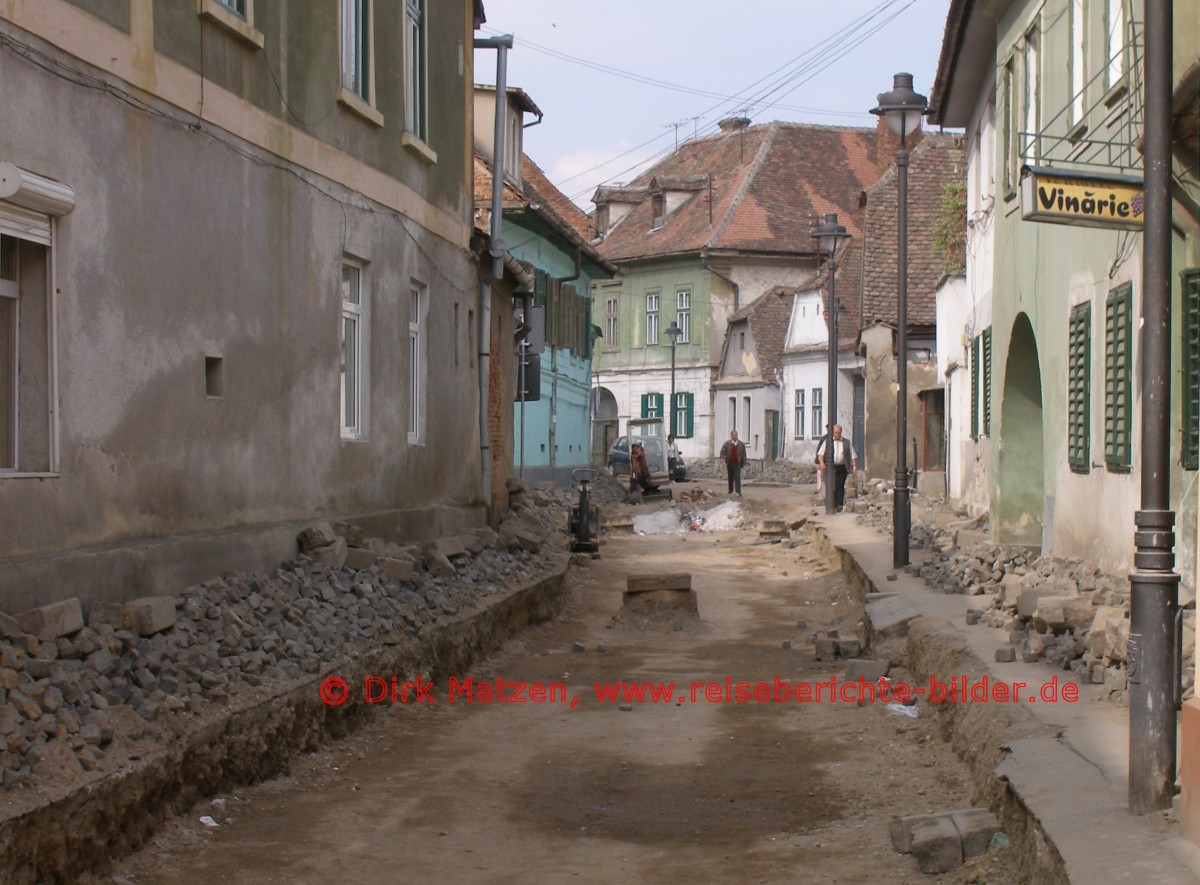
point(604, 423)
point(1019, 491)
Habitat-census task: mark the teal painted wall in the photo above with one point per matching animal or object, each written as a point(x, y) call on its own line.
point(557, 427)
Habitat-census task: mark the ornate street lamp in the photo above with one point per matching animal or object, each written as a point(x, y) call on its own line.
point(829, 235)
point(674, 333)
point(903, 109)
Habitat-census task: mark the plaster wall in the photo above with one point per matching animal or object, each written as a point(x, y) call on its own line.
point(627, 388)
point(185, 245)
point(880, 393)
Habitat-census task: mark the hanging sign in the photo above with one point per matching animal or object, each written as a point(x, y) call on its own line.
point(1062, 196)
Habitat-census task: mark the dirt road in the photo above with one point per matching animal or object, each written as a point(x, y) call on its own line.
point(702, 791)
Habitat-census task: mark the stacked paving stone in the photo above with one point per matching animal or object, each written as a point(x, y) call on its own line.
point(944, 841)
point(1062, 610)
point(62, 680)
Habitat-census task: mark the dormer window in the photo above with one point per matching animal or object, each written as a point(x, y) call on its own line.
point(512, 144)
point(658, 205)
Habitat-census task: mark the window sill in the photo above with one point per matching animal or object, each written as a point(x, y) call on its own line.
point(16, 474)
point(354, 103)
point(419, 147)
point(1115, 94)
point(239, 27)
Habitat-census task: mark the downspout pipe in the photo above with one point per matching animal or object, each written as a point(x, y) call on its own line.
point(498, 251)
point(737, 300)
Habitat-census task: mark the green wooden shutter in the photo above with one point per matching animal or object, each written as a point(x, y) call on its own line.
point(652, 405)
point(1191, 369)
point(689, 404)
point(1079, 361)
point(974, 388)
point(1118, 359)
point(987, 381)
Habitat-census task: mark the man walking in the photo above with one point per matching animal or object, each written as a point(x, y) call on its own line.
point(733, 453)
point(841, 454)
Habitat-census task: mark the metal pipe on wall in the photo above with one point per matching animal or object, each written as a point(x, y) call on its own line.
point(496, 250)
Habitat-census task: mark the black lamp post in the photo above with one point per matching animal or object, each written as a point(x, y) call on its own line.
point(829, 235)
point(1154, 690)
point(903, 109)
point(673, 332)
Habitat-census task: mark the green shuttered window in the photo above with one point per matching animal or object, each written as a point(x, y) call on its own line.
point(987, 381)
point(1118, 364)
point(1079, 360)
point(1191, 369)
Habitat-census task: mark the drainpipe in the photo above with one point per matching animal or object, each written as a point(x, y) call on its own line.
point(736, 291)
point(497, 250)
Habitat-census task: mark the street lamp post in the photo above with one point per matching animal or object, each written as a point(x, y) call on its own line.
point(903, 109)
point(673, 332)
point(829, 235)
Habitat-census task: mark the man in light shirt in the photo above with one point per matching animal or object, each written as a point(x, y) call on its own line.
point(841, 455)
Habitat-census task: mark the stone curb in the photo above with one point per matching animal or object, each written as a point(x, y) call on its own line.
point(88, 829)
point(978, 733)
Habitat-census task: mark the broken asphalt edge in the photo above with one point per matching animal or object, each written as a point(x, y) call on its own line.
point(89, 828)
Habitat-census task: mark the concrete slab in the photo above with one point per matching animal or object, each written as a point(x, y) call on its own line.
point(888, 616)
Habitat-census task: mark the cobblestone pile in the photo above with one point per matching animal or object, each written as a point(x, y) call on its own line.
point(1060, 610)
point(171, 656)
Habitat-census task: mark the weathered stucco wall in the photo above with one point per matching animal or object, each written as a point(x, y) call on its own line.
point(188, 243)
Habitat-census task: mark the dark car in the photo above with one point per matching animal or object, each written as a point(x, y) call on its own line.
point(649, 432)
point(618, 457)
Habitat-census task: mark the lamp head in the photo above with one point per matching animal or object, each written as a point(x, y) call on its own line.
point(673, 332)
point(829, 234)
point(902, 107)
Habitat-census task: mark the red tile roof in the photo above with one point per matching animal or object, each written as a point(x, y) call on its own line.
point(764, 191)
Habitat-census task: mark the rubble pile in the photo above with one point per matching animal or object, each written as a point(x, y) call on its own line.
point(67, 684)
point(1061, 610)
point(787, 472)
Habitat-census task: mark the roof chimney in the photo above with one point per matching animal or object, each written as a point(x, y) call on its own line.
point(733, 124)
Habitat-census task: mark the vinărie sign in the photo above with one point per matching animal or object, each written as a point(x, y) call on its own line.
point(1062, 196)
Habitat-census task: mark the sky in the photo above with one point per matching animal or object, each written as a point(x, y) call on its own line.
point(619, 81)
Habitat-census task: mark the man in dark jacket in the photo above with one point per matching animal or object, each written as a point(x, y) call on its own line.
point(733, 453)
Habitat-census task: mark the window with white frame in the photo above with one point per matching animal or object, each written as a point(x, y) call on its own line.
point(799, 433)
point(1076, 59)
point(611, 305)
point(415, 94)
point(1031, 98)
point(746, 418)
point(683, 314)
point(818, 413)
point(1010, 141)
point(28, 337)
point(353, 373)
point(652, 303)
point(416, 364)
point(238, 7)
point(513, 137)
point(356, 48)
point(28, 438)
point(1114, 26)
